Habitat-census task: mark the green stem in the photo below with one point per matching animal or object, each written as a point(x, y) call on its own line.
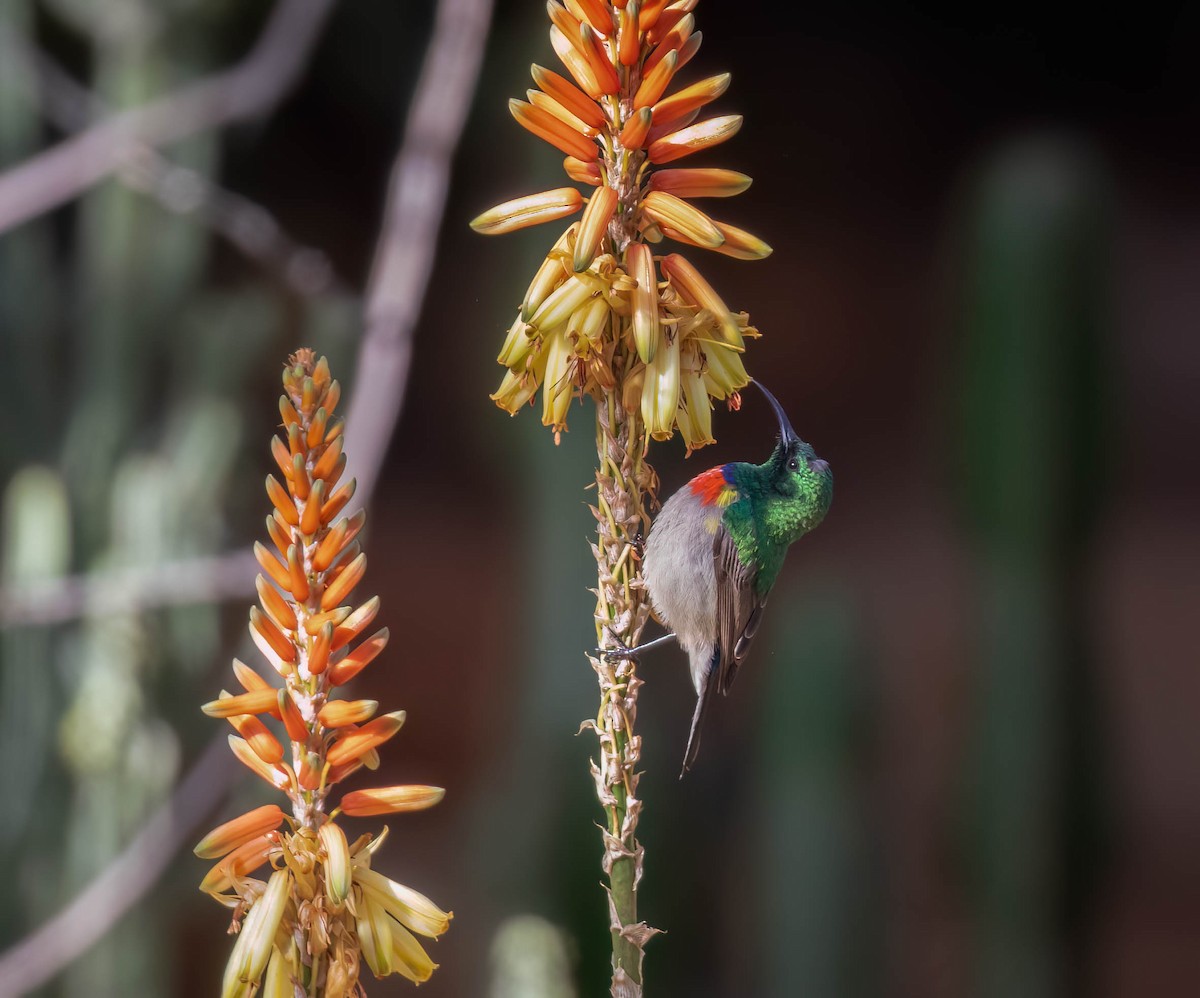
point(623, 486)
point(627, 955)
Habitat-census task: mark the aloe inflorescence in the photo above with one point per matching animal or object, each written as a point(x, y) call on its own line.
point(322, 908)
point(604, 306)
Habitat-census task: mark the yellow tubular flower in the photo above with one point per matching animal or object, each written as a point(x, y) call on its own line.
point(660, 396)
point(376, 937)
point(614, 115)
point(256, 940)
point(556, 395)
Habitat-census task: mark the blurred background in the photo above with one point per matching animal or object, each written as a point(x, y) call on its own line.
point(963, 758)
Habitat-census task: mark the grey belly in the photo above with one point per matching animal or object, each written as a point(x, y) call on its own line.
point(678, 569)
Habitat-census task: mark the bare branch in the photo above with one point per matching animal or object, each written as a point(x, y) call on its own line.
point(404, 255)
point(400, 272)
point(221, 577)
point(400, 276)
point(97, 908)
point(249, 227)
point(252, 87)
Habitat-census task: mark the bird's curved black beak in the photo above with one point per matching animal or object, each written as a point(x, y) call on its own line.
point(786, 432)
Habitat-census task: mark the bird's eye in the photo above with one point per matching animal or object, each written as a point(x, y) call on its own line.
point(793, 465)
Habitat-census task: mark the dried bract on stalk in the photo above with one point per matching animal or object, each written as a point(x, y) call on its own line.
point(322, 910)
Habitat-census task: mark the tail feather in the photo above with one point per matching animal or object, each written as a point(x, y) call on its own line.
point(702, 701)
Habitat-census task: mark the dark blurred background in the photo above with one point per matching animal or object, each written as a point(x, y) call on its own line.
point(963, 759)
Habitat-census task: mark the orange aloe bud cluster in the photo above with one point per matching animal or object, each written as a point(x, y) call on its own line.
point(603, 307)
point(321, 909)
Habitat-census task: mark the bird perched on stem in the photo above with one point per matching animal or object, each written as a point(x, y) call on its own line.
point(715, 551)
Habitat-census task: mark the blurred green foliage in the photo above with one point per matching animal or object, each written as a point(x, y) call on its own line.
point(1034, 439)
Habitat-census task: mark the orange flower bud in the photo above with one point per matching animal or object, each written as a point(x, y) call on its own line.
point(283, 459)
point(673, 41)
point(551, 106)
point(251, 681)
point(569, 96)
point(633, 135)
point(598, 59)
point(343, 671)
point(328, 461)
point(313, 624)
point(629, 44)
point(691, 98)
point(316, 429)
point(256, 702)
point(346, 580)
point(282, 501)
point(594, 12)
point(296, 574)
point(278, 775)
point(272, 566)
point(390, 800)
point(332, 396)
point(310, 523)
point(655, 82)
point(337, 501)
point(262, 626)
point(576, 64)
point(548, 128)
point(258, 736)
point(702, 135)
point(353, 625)
point(650, 13)
point(297, 478)
point(245, 859)
point(288, 412)
point(702, 183)
point(276, 606)
point(227, 837)
point(318, 654)
point(341, 713)
point(309, 773)
point(355, 744)
point(293, 720)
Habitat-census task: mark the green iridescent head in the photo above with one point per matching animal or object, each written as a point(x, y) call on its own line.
point(798, 477)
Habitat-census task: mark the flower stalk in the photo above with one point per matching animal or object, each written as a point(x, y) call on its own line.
point(322, 909)
point(643, 335)
point(624, 484)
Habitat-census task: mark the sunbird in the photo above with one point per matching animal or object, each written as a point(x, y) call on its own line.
point(715, 551)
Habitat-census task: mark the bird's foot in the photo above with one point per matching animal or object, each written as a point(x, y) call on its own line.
point(622, 651)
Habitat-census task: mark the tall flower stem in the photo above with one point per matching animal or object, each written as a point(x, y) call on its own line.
point(642, 333)
point(624, 484)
